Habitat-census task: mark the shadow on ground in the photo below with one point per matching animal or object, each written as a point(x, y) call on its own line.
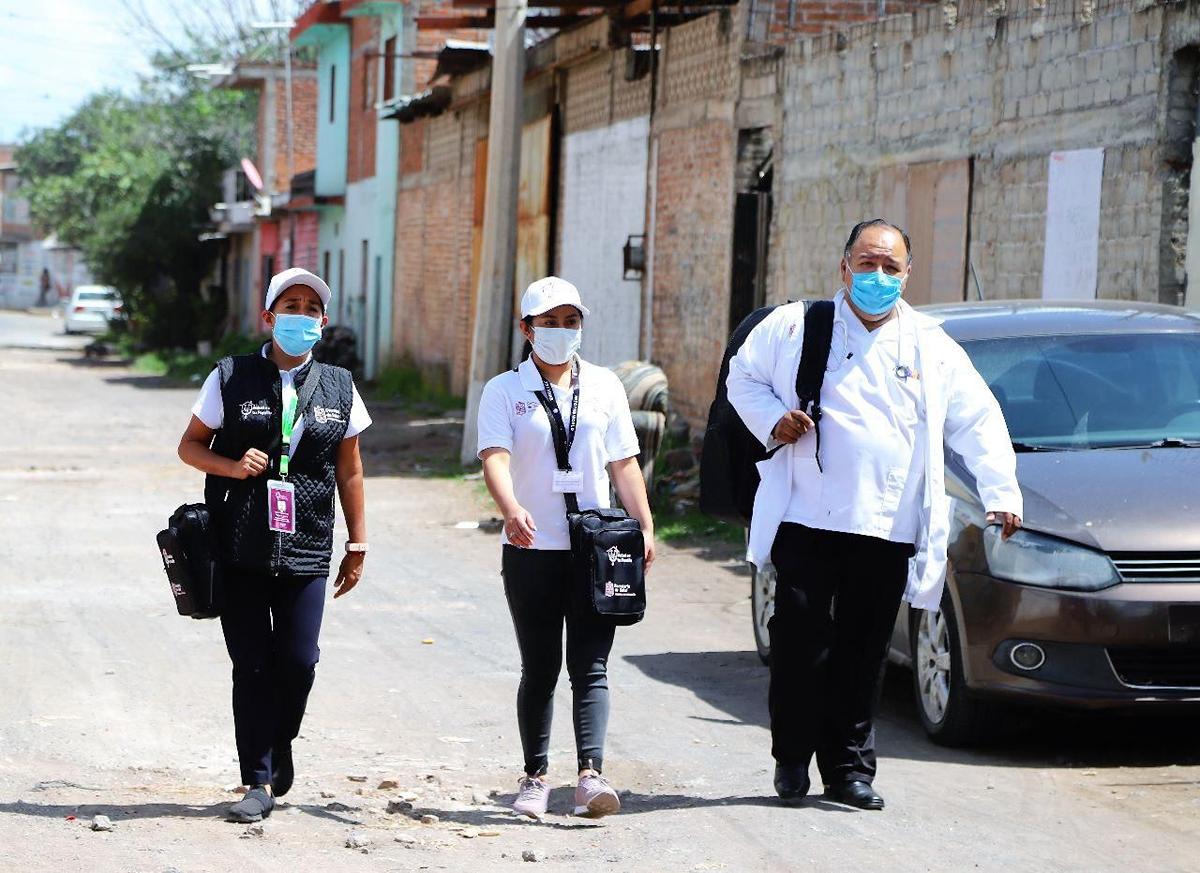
point(736, 684)
point(119, 812)
point(562, 800)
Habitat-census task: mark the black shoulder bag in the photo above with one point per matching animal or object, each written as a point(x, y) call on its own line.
point(607, 546)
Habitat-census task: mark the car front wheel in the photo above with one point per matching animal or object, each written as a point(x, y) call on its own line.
point(762, 607)
point(949, 713)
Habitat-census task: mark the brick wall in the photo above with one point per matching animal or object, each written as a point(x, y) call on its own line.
point(306, 242)
point(696, 139)
point(304, 125)
point(429, 40)
point(781, 20)
point(364, 86)
point(957, 82)
point(693, 228)
point(435, 207)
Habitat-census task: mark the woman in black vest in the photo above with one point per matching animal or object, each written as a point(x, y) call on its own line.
point(276, 432)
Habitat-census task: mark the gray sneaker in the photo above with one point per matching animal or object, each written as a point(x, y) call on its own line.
point(595, 797)
point(533, 795)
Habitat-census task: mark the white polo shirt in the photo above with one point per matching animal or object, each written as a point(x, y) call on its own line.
point(873, 476)
point(511, 418)
point(210, 406)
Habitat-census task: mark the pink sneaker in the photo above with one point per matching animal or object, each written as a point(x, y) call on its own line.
point(595, 797)
point(533, 795)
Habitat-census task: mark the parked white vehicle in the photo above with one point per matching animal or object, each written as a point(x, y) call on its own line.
point(91, 309)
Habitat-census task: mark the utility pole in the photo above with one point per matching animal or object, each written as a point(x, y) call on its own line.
point(498, 249)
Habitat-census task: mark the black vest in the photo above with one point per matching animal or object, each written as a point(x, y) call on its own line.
point(251, 392)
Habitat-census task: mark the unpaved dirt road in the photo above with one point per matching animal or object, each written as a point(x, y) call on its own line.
point(110, 703)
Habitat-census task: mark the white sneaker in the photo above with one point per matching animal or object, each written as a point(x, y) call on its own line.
point(533, 796)
point(595, 797)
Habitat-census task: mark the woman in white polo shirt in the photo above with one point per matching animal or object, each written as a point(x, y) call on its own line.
point(519, 468)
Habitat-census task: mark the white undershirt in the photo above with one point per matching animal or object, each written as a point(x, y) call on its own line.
point(210, 406)
point(872, 476)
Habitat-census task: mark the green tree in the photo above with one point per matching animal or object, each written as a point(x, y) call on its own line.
point(129, 181)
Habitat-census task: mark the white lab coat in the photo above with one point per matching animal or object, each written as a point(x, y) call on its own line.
point(957, 409)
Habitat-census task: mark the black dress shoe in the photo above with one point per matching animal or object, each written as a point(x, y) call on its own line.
point(791, 782)
point(855, 793)
point(282, 772)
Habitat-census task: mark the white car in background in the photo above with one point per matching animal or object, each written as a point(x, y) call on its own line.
point(91, 308)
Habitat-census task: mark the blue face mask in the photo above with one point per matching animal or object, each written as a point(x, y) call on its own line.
point(876, 292)
point(296, 334)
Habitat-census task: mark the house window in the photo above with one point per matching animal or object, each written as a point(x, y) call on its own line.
point(389, 69)
point(332, 90)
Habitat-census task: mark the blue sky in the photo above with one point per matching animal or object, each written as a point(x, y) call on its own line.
point(54, 53)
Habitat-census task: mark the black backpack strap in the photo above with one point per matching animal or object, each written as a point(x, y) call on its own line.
point(814, 358)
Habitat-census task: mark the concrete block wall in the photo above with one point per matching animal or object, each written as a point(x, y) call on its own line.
point(958, 81)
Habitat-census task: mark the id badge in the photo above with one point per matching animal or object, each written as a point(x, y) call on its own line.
point(281, 506)
point(567, 481)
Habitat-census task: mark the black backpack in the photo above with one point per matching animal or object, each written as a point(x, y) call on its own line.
point(728, 477)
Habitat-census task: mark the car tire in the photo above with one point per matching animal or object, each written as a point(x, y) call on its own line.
point(762, 607)
point(950, 714)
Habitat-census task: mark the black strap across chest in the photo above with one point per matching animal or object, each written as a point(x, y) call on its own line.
point(562, 434)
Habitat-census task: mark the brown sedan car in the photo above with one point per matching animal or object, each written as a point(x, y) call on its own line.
point(1096, 603)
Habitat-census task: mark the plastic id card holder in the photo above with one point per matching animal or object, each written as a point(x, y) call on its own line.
point(567, 481)
point(281, 506)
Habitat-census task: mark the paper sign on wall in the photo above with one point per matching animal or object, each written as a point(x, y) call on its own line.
point(1069, 263)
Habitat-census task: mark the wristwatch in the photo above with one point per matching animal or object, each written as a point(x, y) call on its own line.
point(356, 547)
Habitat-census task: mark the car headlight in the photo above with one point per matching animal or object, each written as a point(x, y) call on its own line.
point(1033, 559)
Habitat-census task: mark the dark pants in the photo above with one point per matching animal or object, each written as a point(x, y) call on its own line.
point(836, 599)
point(541, 596)
point(271, 626)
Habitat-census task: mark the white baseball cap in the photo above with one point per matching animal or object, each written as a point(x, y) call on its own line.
point(280, 282)
point(545, 294)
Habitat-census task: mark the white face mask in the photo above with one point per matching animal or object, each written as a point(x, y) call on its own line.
point(556, 345)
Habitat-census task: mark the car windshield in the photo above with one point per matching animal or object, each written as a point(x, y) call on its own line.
point(1095, 391)
point(97, 295)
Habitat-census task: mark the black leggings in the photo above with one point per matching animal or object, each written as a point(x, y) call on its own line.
point(538, 585)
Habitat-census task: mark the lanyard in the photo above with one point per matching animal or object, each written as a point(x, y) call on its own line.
point(566, 437)
point(288, 420)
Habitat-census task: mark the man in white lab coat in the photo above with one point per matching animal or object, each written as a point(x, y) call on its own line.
point(864, 521)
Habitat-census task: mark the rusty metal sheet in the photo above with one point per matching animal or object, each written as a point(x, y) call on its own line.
point(533, 216)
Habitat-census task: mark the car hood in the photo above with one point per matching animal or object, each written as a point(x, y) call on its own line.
point(1115, 500)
